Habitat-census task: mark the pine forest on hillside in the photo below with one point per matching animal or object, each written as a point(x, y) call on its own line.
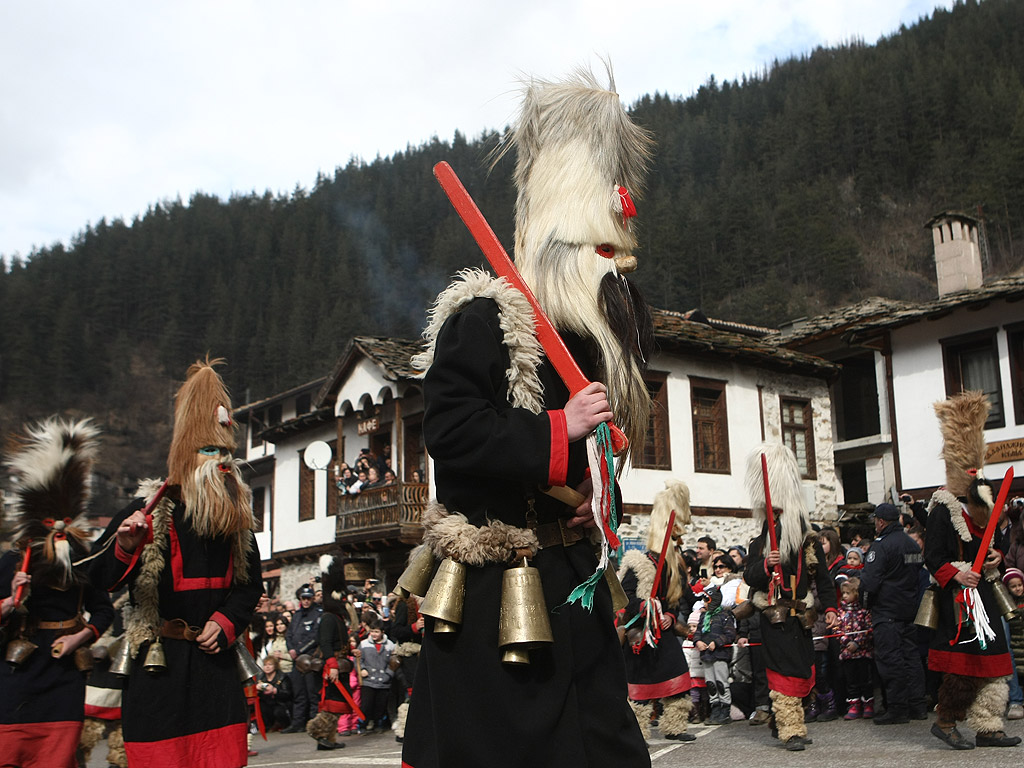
point(800, 187)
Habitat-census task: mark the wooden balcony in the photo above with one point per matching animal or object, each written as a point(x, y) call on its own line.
point(382, 517)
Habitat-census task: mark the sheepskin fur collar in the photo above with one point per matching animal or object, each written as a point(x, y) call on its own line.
point(515, 317)
point(142, 624)
point(450, 534)
point(956, 511)
point(640, 564)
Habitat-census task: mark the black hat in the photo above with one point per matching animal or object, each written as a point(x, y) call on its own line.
point(305, 591)
point(887, 512)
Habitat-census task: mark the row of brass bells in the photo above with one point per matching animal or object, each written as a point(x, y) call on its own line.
point(445, 597)
point(523, 618)
point(247, 666)
point(928, 610)
point(415, 579)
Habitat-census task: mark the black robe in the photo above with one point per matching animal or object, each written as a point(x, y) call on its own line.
point(193, 713)
point(568, 707)
point(942, 547)
point(788, 648)
point(659, 672)
point(42, 702)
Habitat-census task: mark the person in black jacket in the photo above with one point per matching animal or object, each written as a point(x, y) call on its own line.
point(302, 639)
point(275, 695)
point(716, 632)
point(889, 589)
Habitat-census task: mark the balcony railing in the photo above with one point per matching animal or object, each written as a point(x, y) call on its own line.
point(390, 512)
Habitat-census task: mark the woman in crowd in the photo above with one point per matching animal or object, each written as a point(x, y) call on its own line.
point(275, 695)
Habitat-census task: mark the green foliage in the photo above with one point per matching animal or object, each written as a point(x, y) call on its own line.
point(800, 187)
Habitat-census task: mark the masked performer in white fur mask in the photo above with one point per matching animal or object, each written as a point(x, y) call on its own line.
point(500, 424)
point(655, 665)
point(786, 625)
point(193, 571)
point(974, 666)
point(42, 687)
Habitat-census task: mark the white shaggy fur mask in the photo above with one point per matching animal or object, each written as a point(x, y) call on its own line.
point(785, 486)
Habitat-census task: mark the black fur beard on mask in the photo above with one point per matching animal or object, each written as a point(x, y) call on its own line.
point(629, 318)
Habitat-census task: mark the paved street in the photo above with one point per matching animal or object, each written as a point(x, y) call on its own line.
point(836, 745)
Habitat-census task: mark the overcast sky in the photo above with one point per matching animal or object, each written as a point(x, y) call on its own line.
point(107, 107)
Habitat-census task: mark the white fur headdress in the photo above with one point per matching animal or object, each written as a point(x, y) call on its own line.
point(786, 488)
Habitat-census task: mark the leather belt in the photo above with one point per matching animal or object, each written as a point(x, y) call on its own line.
point(178, 629)
point(557, 534)
point(72, 623)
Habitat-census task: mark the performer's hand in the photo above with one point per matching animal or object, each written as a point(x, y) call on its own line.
point(773, 558)
point(20, 577)
point(332, 674)
point(68, 644)
point(584, 515)
point(667, 621)
point(968, 578)
point(132, 531)
point(207, 639)
point(587, 408)
point(992, 559)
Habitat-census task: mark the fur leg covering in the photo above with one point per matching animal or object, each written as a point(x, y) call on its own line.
point(985, 715)
point(92, 732)
point(956, 695)
point(675, 715)
point(789, 716)
point(115, 748)
point(323, 726)
point(399, 726)
point(643, 711)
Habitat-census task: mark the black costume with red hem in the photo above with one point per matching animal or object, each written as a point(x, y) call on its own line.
point(194, 712)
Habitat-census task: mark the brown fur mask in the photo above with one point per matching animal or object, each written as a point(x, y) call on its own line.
point(217, 500)
point(962, 423)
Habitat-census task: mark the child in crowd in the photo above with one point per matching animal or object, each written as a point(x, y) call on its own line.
point(1014, 581)
point(715, 635)
point(375, 653)
point(855, 652)
point(698, 692)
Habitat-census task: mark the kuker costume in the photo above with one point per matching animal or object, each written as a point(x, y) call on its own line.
point(42, 698)
point(181, 705)
point(495, 427)
point(975, 663)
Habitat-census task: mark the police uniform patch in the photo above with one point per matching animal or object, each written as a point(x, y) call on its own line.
point(871, 556)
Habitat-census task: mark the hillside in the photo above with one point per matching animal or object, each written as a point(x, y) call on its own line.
point(798, 188)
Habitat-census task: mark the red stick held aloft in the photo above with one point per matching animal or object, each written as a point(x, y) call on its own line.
point(993, 520)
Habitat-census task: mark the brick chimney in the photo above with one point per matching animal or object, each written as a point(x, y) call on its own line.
point(957, 255)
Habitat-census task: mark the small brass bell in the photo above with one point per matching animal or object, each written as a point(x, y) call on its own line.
point(303, 662)
point(155, 660)
point(1007, 607)
point(18, 651)
point(122, 657)
point(247, 666)
point(928, 610)
point(444, 599)
point(523, 619)
point(415, 579)
point(619, 598)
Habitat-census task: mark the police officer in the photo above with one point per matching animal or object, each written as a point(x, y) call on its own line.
point(302, 638)
point(889, 588)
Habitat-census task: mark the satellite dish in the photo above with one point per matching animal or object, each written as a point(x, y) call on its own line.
point(317, 455)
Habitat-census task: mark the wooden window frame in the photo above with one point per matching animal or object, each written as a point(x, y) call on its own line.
point(807, 428)
point(259, 507)
point(1015, 346)
point(953, 347)
point(657, 450)
point(307, 490)
point(720, 426)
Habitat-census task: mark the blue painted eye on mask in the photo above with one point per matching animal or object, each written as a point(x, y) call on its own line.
point(210, 450)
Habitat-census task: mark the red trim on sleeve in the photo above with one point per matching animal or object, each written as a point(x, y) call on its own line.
point(95, 632)
point(120, 554)
point(946, 574)
point(558, 466)
point(225, 625)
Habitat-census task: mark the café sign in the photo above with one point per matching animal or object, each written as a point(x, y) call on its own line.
point(368, 426)
point(1004, 450)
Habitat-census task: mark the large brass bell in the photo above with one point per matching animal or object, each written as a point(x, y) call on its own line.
point(121, 653)
point(1007, 607)
point(523, 619)
point(18, 651)
point(303, 662)
point(444, 599)
point(247, 666)
point(928, 610)
point(155, 661)
point(619, 598)
point(415, 579)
